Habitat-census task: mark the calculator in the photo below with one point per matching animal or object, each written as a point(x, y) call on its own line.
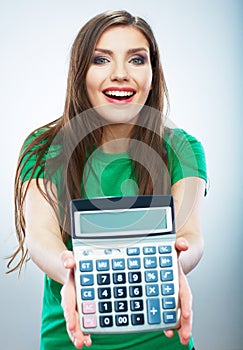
point(126, 273)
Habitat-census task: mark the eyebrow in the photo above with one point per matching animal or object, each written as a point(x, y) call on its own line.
point(134, 50)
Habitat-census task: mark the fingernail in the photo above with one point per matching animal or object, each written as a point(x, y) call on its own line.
point(68, 262)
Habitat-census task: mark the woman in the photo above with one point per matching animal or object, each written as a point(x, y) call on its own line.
point(110, 141)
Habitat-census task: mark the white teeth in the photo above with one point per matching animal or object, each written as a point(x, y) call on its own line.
point(119, 93)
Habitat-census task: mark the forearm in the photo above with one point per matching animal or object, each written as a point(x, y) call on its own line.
point(188, 194)
point(43, 235)
point(45, 251)
point(191, 257)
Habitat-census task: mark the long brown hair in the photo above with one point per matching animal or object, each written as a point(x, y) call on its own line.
point(149, 131)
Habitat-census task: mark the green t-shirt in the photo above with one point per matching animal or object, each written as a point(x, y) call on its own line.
point(111, 175)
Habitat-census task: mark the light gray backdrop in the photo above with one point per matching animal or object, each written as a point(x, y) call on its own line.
point(200, 42)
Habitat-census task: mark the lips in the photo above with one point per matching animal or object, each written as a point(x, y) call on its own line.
point(119, 94)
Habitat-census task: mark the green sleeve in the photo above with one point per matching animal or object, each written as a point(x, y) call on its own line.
point(186, 156)
point(29, 159)
point(28, 163)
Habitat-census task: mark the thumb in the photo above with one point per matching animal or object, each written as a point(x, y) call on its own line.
point(181, 244)
point(68, 259)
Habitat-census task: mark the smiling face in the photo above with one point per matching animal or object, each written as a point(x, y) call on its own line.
point(120, 74)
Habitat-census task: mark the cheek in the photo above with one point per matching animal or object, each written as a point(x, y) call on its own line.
point(147, 87)
point(94, 80)
point(147, 81)
point(91, 86)
point(90, 81)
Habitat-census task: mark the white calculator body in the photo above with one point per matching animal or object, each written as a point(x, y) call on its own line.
point(126, 272)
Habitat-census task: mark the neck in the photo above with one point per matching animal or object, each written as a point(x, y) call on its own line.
point(116, 138)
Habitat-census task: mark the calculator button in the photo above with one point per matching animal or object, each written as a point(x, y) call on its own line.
point(136, 305)
point(87, 252)
point(152, 290)
point(102, 265)
point(168, 303)
point(133, 263)
point(134, 277)
point(118, 264)
point(87, 294)
point(153, 311)
point(89, 321)
point(120, 292)
point(135, 291)
point(112, 251)
point(168, 289)
point(86, 280)
point(86, 265)
point(151, 276)
point(89, 307)
point(121, 320)
point(104, 293)
point(119, 278)
point(121, 306)
point(103, 278)
point(166, 275)
point(105, 306)
point(150, 263)
point(165, 261)
point(165, 249)
point(133, 251)
point(137, 319)
point(169, 317)
point(149, 250)
point(106, 321)
point(108, 251)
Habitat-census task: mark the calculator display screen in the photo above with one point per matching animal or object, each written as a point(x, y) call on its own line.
point(125, 222)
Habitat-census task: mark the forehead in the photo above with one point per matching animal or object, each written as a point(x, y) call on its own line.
point(123, 37)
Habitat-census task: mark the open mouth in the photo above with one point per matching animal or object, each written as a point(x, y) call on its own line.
point(119, 95)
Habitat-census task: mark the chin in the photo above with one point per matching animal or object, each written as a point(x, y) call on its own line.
point(119, 113)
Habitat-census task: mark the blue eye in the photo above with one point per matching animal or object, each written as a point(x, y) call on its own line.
point(138, 60)
point(99, 60)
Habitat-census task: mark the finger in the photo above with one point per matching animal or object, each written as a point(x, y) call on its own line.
point(185, 331)
point(185, 296)
point(68, 303)
point(169, 333)
point(87, 340)
point(74, 331)
point(68, 259)
point(79, 342)
point(185, 328)
point(69, 315)
point(78, 338)
point(181, 244)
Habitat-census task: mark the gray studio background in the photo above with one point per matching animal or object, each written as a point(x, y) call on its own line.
point(200, 42)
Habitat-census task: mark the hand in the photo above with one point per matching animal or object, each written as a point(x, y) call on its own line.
point(69, 304)
point(185, 299)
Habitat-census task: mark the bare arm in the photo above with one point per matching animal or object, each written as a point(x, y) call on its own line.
point(49, 253)
point(188, 194)
point(43, 236)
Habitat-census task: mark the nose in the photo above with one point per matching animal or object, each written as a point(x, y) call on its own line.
point(119, 72)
